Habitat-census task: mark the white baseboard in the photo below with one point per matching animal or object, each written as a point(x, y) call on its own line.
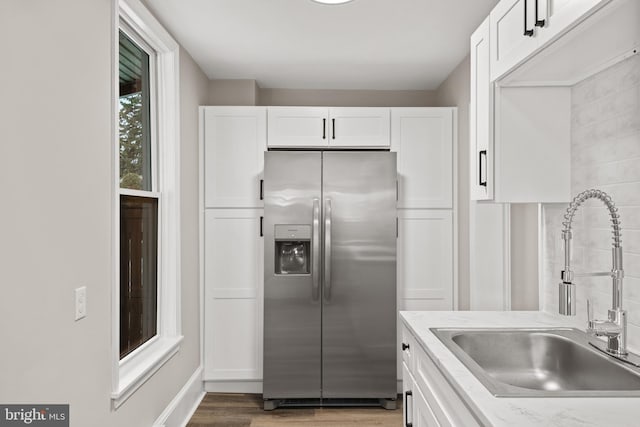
point(182, 407)
point(233, 386)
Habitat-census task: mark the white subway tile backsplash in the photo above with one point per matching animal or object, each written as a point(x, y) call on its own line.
point(605, 154)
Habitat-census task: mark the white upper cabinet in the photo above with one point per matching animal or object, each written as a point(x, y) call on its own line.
point(234, 146)
point(322, 127)
point(555, 16)
point(424, 141)
point(359, 127)
point(519, 136)
point(520, 27)
point(303, 127)
point(512, 34)
point(481, 117)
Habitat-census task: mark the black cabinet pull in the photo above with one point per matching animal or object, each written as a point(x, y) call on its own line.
point(526, 32)
point(405, 346)
point(333, 128)
point(262, 189)
point(324, 128)
point(481, 181)
point(261, 221)
point(539, 22)
point(406, 408)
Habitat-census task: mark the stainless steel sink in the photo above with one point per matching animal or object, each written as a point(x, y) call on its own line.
point(540, 362)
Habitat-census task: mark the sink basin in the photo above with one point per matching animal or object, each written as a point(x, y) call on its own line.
point(539, 362)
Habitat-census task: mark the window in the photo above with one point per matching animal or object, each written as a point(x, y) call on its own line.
point(146, 200)
point(139, 209)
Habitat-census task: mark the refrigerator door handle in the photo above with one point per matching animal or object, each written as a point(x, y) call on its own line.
point(315, 252)
point(327, 249)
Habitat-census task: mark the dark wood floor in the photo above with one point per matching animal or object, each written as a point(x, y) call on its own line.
point(245, 410)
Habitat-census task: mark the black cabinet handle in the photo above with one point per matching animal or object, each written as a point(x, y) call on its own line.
point(324, 128)
point(539, 22)
point(405, 346)
point(261, 221)
point(526, 32)
point(406, 408)
point(481, 181)
point(333, 128)
point(262, 189)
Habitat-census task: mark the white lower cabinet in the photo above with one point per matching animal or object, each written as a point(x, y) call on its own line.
point(417, 412)
point(428, 398)
point(233, 295)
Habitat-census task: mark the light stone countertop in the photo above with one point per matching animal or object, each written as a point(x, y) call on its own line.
point(515, 411)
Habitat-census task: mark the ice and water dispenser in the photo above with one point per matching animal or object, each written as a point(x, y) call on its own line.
point(293, 249)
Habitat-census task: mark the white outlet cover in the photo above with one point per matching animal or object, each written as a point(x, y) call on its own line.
point(81, 302)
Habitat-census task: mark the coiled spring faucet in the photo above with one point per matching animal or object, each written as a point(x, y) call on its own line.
point(615, 327)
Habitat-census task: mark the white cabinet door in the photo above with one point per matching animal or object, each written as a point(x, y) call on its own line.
point(560, 15)
point(359, 127)
point(424, 140)
point(234, 146)
point(481, 117)
point(424, 415)
point(509, 43)
point(416, 410)
point(233, 294)
point(407, 397)
point(425, 259)
point(298, 127)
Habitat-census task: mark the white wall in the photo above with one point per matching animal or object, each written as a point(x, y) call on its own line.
point(605, 154)
point(55, 221)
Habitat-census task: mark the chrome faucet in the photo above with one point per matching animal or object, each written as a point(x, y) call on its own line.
point(615, 327)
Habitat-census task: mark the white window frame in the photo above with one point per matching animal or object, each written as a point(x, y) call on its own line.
point(137, 367)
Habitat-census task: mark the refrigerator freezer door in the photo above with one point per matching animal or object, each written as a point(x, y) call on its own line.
point(292, 306)
point(359, 299)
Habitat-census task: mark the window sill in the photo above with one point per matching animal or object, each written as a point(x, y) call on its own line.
point(138, 367)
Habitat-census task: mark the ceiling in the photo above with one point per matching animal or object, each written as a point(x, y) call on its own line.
point(300, 44)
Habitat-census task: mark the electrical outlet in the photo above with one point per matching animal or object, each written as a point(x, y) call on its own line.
point(81, 302)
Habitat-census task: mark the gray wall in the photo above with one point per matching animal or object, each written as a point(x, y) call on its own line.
point(348, 98)
point(524, 256)
point(247, 92)
point(455, 92)
point(56, 164)
point(232, 92)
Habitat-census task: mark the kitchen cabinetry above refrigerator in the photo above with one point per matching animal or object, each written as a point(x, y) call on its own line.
point(322, 127)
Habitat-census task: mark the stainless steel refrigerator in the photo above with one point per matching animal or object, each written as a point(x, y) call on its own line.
point(330, 233)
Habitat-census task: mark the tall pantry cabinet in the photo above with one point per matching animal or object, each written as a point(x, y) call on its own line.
point(233, 142)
